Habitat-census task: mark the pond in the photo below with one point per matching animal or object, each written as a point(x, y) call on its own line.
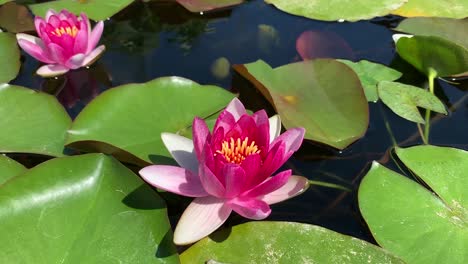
point(155, 39)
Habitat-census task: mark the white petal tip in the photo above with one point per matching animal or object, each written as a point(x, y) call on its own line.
point(396, 37)
point(94, 55)
point(51, 70)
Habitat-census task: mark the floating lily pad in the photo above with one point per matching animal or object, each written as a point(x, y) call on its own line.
point(350, 10)
point(9, 57)
point(31, 122)
point(4, 1)
point(334, 111)
point(411, 221)
point(16, 18)
point(207, 5)
point(448, 28)
point(132, 117)
point(83, 209)
point(9, 168)
point(404, 100)
point(429, 53)
point(371, 74)
point(438, 8)
point(284, 242)
point(94, 9)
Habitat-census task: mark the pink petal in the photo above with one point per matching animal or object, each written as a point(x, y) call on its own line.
point(50, 13)
point(271, 184)
point(52, 70)
point(57, 53)
point(38, 23)
point(262, 134)
point(95, 35)
point(251, 166)
point(34, 47)
point(292, 138)
point(245, 126)
point(174, 179)
point(54, 21)
point(295, 186)
point(225, 120)
point(250, 208)
point(81, 41)
point(181, 149)
point(201, 218)
point(76, 61)
point(275, 127)
point(201, 134)
point(210, 182)
point(234, 177)
point(94, 55)
point(236, 108)
point(272, 162)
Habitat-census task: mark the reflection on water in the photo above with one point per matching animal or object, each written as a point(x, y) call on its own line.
point(149, 40)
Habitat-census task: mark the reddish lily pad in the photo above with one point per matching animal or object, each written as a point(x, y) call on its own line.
point(197, 6)
point(16, 18)
point(334, 111)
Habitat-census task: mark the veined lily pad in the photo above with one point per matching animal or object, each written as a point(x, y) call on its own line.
point(9, 57)
point(132, 117)
point(32, 122)
point(439, 8)
point(94, 9)
point(83, 209)
point(404, 100)
point(371, 74)
point(334, 111)
point(411, 221)
point(350, 10)
point(9, 168)
point(429, 53)
point(207, 5)
point(284, 242)
point(448, 28)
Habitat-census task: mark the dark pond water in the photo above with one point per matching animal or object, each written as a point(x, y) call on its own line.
point(150, 40)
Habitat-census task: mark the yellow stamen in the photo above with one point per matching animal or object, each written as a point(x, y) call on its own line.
point(235, 151)
point(71, 31)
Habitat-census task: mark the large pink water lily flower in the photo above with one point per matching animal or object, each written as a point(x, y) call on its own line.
point(65, 42)
point(228, 170)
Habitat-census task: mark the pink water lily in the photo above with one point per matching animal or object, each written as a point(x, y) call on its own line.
point(64, 42)
point(228, 170)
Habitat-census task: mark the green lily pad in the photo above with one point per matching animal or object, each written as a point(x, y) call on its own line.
point(4, 1)
point(284, 242)
point(439, 8)
point(350, 10)
point(9, 168)
point(83, 209)
point(429, 53)
point(404, 100)
point(334, 111)
point(94, 9)
point(9, 57)
point(207, 5)
point(411, 221)
point(132, 117)
point(371, 74)
point(32, 122)
point(448, 28)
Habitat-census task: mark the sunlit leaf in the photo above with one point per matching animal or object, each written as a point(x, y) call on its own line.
point(207, 5)
point(83, 209)
point(9, 57)
point(438, 8)
point(129, 120)
point(284, 242)
point(404, 100)
point(371, 74)
point(31, 122)
point(334, 111)
point(9, 168)
point(94, 9)
point(411, 221)
point(429, 53)
point(350, 10)
point(448, 28)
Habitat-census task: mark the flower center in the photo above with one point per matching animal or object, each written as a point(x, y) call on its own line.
point(60, 31)
point(235, 151)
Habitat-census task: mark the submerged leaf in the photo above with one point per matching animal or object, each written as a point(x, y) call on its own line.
point(404, 100)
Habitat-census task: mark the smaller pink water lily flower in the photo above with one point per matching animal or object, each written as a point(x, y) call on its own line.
point(228, 170)
point(65, 42)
